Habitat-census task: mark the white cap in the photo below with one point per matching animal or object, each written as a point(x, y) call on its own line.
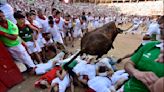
point(57, 63)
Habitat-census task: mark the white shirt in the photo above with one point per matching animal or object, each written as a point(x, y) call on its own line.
point(60, 24)
point(43, 23)
point(55, 33)
point(84, 25)
point(90, 18)
point(37, 24)
point(49, 42)
point(107, 20)
point(70, 24)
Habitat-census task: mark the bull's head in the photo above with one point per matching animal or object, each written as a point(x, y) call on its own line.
point(119, 30)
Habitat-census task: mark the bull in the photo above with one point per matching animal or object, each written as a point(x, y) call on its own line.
point(98, 42)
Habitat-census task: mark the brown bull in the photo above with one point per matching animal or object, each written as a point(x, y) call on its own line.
point(99, 41)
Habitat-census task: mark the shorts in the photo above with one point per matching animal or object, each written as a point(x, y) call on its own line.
point(41, 42)
point(68, 33)
point(31, 47)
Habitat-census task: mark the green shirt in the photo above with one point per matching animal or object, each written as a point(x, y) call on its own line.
point(71, 65)
point(144, 60)
point(25, 33)
point(12, 30)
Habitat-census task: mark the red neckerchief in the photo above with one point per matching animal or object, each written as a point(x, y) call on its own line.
point(4, 24)
point(66, 22)
point(54, 16)
point(31, 22)
point(21, 26)
point(34, 25)
point(81, 22)
point(57, 20)
point(42, 17)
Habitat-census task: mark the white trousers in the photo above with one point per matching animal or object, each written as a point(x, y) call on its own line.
point(43, 68)
point(20, 54)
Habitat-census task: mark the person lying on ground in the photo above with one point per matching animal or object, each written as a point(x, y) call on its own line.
point(108, 83)
point(85, 70)
point(45, 80)
point(43, 68)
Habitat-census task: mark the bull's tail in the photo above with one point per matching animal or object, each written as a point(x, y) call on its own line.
point(66, 65)
point(71, 73)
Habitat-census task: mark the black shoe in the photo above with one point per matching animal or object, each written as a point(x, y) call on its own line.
point(52, 90)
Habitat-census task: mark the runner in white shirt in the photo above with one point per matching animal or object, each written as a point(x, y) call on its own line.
point(85, 23)
point(30, 20)
point(96, 22)
point(107, 20)
point(77, 28)
point(59, 21)
point(154, 31)
point(67, 29)
point(40, 40)
point(54, 30)
point(101, 21)
point(70, 25)
point(42, 20)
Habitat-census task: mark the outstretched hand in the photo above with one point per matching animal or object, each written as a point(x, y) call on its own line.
point(148, 78)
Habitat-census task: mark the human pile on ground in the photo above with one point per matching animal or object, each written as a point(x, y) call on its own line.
point(89, 74)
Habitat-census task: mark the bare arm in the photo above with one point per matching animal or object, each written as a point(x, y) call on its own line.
point(32, 27)
point(126, 56)
point(130, 67)
point(35, 29)
point(34, 39)
point(148, 78)
point(62, 75)
point(72, 86)
point(11, 37)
